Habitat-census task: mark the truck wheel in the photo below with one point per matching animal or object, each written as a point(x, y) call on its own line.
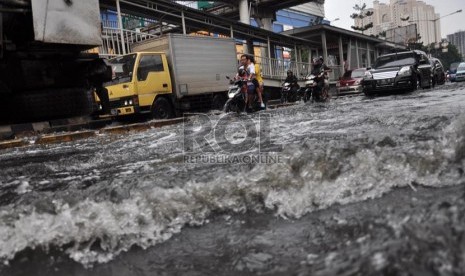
point(219, 100)
point(162, 109)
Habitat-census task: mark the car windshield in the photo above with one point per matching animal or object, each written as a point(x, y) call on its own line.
point(395, 60)
point(453, 67)
point(461, 67)
point(359, 73)
point(123, 66)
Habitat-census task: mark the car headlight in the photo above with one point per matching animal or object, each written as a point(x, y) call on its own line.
point(368, 75)
point(405, 71)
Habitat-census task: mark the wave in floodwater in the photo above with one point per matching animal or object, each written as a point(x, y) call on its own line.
point(316, 172)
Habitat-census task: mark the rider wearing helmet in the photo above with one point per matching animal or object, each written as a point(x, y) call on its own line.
point(320, 71)
point(291, 78)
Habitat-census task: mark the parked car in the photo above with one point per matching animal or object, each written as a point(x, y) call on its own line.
point(453, 70)
point(460, 75)
point(351, 81)
point(439, 74)
point(399, 71)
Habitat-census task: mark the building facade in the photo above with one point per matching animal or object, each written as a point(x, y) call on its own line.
point(401, 13)
point(458, 39)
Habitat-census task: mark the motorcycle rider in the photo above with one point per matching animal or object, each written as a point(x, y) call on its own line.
point(249, 67)
point(258, 81)
point(320, 71)
point(291, 79)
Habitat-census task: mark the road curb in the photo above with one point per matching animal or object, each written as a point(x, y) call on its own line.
point(125, 128)
point(68, 137)
point(141, 126)
point(12, 144)
point(168, 122)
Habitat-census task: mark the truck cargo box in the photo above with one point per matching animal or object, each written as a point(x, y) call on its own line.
point(198, 64)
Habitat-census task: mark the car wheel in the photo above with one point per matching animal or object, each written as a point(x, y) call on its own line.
point(162, 109)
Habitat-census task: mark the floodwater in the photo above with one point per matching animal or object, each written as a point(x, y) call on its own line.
point(357, 186)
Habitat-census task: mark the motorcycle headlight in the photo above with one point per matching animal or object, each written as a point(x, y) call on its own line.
point(405, 71)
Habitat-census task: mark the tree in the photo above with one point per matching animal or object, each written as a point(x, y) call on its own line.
point(361, 13)
point(452, 55)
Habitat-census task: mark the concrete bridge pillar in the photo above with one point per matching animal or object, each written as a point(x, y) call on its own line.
point(264, 19)
point(244, 17)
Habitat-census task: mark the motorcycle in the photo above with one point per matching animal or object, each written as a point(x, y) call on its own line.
point(312, 92)
point(289, 92)
point(236, 97)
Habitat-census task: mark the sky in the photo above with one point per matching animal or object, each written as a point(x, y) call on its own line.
point(342, 9)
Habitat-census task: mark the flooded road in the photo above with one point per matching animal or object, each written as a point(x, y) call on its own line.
point(358, 186)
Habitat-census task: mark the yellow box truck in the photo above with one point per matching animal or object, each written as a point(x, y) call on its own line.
point(171, 74)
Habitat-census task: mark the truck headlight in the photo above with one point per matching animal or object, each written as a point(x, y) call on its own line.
point(405, 71)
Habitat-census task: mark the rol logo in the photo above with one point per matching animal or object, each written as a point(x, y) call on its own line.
point(231, 134)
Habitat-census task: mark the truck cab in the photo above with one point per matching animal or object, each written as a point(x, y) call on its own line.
point(141, 84)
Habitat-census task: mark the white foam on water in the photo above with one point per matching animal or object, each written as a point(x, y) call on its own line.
point(315, 174)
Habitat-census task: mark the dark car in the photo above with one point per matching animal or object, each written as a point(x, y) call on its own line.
point(404, 71)
point(439, 74)
point(460, 74)
point(351, 81)
point(453, 70)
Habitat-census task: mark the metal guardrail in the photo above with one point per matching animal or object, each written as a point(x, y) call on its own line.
point(276, 69)
point(113, 45)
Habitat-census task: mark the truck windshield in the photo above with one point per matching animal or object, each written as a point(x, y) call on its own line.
point(395, 60)
point(123, 67)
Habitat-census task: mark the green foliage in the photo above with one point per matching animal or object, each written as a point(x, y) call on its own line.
point(452, 55)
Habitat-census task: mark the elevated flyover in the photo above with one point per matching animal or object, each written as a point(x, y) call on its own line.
point(230, 9)
point(182, 19)
point(189, 20)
